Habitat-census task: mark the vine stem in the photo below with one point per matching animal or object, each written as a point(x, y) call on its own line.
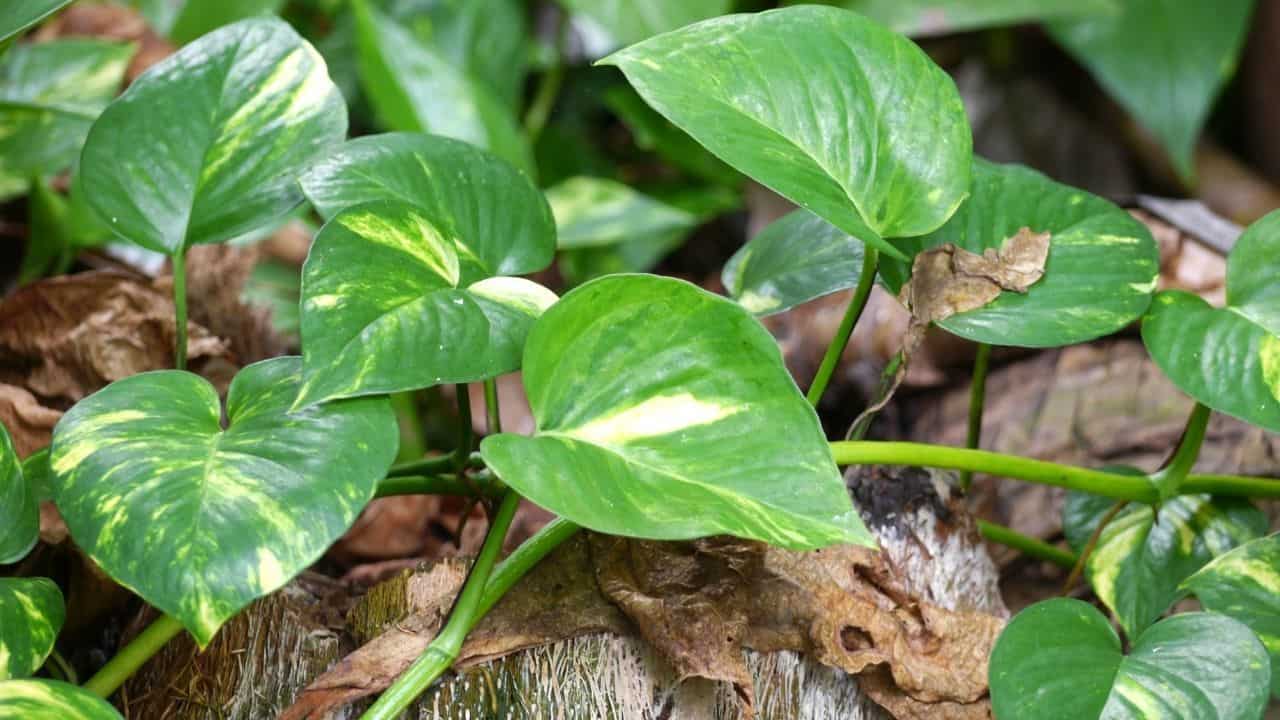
point(132, 656)
point(870, 262)
point(444, 484)
point(544, 99)
point(432, 465)
point(493, 414)
point(443, 650)
point(977, 398)
point(1029, 546)
point(462, 454)
point(180, 308)
point(1170, 478)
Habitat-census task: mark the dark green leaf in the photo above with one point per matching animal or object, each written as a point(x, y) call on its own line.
point(612, 24)
point(146, 463)
point(36, 470)
point(22, 14)
point(939, 17)
point(50, 244)
point(1060, 659)
point(208, 144)
point(198, 17)
point(664, 411)
point(19, 511)
point(31, 615)
point(51, 700)
point(829, 109)
point(384, 308)
point(486, 39)
point(1099, 277)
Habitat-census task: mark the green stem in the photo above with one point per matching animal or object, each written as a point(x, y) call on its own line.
point(60, 668)
point(444, 649)
point(1231, 486)
point(425, 466)
point(180, 308)
point(1170, 478)
point(493, 415)
point(462, 453)
point(544, 98)
point(525, 557)
point(870, 261)
point(437, 485)
point(1028, 546)
point(132, 656)
point(977, 398)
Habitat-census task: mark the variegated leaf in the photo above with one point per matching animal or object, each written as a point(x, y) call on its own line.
point(200, 518)
point(51, 700)
point(208, 144)
point(664, 411)
point(1245, 584)
point(31, 615)
point(19, 511)
point(384, 308)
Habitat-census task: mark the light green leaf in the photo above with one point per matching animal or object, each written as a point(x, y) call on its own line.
point(1163, 60)
point(22, 14)
point(384, 308)
point(51, 700)
point(19, 511)
point(1060, 659)
point(1245, 584)
point(921, 18)
point(31, 615)
point(623, 22)
point(1143, 555)
point(824, 106)
point(50, 94)
point(664, 411)
point(146, 463)
point(1099, 276)
point(1252, 271)
point(414, 88)
point(794, 260)
point(486, 39)
point(500, 222)
point(198, 17)
point(208, 144)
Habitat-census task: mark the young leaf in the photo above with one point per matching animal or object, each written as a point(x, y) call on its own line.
point(146, 463)
point(794, 260)
point(22, 14)
point(824, 106)
point(499, 221)
point(384, 309)
point(1163, 60)
point(1227, 358)
point(939, 17)
point(664, 411)
point(1245, 584)
point(1099, 276)
point(51, 700)
point(1143, 555)
point(19, 511)
point(1060, 659)
point(623, 22)
point(208, 144)
point(31, 615)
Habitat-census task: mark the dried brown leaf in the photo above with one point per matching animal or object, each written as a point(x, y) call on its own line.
point(216, 277)
point(29, 423)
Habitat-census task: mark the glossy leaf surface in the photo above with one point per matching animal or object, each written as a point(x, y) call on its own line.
point(31, 615)
point(1060, 659)
point(623, 22)
point(208, 144)
point(146, 463)
point(19, 511)
point(22, 14)
point(384, 309)
point(51, 700)
point(1143, 556)
point(822, 105)
point(1099, 276)
point(664, 411)
point(939, 17)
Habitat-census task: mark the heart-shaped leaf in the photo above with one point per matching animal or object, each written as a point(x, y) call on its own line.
point(610, 24)
point(1060, 659)
point(51, 700)
point(1163, 60)
point(383, 309)
point(146, 463)
point(664, 411)
point(499, 220)
point(941, 17)
point(19, 511)
point(31, 615)
point(208, 144)
point(794, 260)
point(829, 109)
point(1144, 554)
point(1227, 358)
point(1099, 276)
point(1245, 584)
point(22, 14)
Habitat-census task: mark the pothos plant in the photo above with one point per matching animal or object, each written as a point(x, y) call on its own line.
point(662, 410)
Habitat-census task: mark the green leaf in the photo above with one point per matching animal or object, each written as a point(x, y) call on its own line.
point(654, 133)
point(939, 17)
point(1245, 584)
point(146, 463)
point(1143, 555)
point(51, 700)
point(36, 470)
point(794, 260)
point(1099, 276)
point(31, 615)
point(51, 240)
point(1252, 269)
point(486, 39)
point(1165, 61)
point(664, 411)
point(22, 14)
point(19, 511)
point(198, 17)
point(50, 94)
point(623, 22)
point(824, 106)
point(1060, 659)
point(208, 144)
point(384, 309)
point(414, 88)
point(499, 220)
